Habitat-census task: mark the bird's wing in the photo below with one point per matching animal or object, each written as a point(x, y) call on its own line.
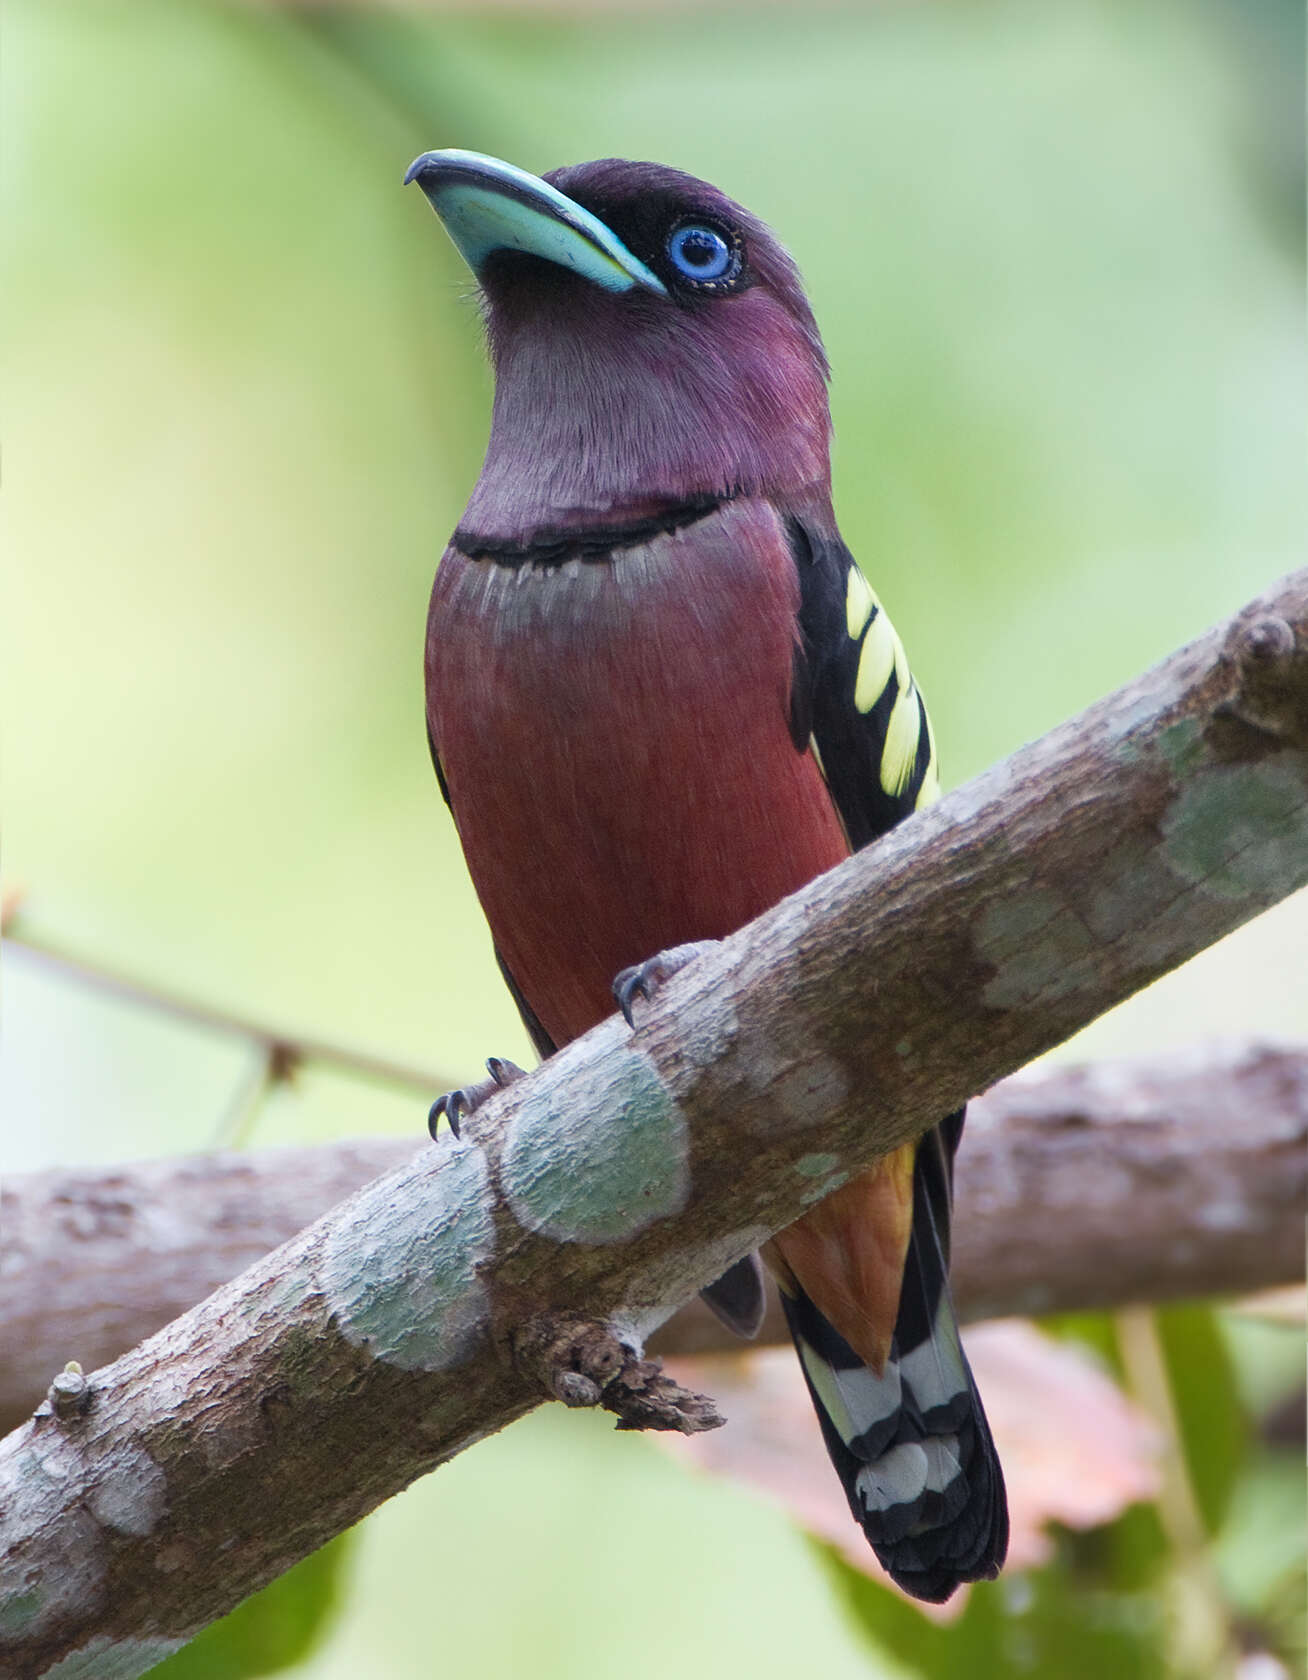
point(864, 1276)
point(854, 701)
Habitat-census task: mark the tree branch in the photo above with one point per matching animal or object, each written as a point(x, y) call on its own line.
point(630, 1169)
point(1205, 1148)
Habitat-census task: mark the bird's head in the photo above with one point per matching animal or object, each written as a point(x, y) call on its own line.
point(651, 340)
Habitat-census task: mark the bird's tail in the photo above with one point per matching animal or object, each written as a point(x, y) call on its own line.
point(912, 1446)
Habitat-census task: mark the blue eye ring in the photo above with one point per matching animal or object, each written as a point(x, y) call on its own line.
point(704, 256)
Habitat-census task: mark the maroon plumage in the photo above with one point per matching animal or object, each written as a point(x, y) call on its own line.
point(655, 796)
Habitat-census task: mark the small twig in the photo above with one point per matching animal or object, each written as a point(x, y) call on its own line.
point(272, 1066)
point(645, 1397)
point(283, 1050)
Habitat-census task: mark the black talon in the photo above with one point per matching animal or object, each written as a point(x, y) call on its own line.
point(468, 1099)
point(645, 979)
point(451, 1104)
point(627, 987)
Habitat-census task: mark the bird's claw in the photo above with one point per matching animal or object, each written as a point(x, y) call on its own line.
point(451, 1105)
point(627, 987)
point(455, 1105)
point(644, 979)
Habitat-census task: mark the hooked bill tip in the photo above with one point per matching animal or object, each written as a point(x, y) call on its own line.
point(417, 166)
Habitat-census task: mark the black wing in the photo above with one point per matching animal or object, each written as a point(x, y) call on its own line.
point(854, 701)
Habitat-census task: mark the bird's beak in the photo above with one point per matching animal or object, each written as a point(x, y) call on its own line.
point(490, 206)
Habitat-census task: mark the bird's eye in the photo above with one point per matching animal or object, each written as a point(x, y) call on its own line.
point(703, 255)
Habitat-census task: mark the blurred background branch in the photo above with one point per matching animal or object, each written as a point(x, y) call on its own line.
point(1078, 1188)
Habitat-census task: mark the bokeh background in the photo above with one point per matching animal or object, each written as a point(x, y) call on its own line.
point(1057, 255)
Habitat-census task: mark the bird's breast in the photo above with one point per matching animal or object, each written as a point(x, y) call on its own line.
point(615, 739)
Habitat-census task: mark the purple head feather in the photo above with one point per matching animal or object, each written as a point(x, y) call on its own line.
point(607, 402)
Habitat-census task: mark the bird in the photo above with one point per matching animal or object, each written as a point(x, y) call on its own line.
point(661, 695)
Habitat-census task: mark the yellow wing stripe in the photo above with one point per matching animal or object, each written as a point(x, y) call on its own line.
point(882, 653)
point(860, 603)
point(902, 677)
point(899, 754)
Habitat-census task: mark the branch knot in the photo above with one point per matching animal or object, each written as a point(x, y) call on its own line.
point(582, 1363)
point(69, 1395)
point(1271, 678)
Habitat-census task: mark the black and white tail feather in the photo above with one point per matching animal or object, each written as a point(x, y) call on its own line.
point(912, 1447)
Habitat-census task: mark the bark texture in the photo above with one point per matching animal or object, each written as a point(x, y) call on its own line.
point(631, 1168)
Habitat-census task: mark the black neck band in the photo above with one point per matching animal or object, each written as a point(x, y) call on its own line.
point(553, 545)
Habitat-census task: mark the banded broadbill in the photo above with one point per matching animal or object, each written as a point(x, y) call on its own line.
point(661, 696)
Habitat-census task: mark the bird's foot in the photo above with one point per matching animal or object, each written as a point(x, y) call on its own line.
point(456, 1105)
point(645, 978)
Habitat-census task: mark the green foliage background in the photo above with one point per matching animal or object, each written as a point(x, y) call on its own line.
point(1056, 252)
